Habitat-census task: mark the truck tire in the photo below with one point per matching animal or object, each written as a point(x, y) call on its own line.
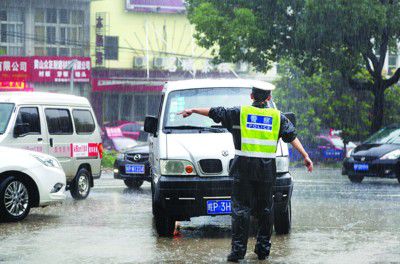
point(80, 187)
point(165, 224)
point(133, 184)
point(283, 220)
point(15, 200)
point(356, 178)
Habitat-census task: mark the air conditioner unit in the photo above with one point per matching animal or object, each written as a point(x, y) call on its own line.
point(138, 62)
point(158, 63)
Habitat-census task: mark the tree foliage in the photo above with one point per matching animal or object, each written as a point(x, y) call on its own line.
point(323, 101)
point(341, 36)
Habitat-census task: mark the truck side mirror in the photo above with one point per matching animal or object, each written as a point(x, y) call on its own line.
point(21, 129)
point(291, 116)
point(150, 125)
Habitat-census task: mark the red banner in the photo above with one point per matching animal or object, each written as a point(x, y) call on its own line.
point(57, 69)
point(44, 69)
point(13, 69)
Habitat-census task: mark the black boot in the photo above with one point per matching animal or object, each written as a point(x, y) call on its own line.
point(262, 251)
point(234, 257)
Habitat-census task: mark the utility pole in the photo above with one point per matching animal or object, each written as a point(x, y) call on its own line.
point(70, 67)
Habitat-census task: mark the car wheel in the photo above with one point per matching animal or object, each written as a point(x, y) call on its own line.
point(283, 220)
point(14, 200)
point(80, 187)
point(165, 224)
point(133, 184)
point(356, 178)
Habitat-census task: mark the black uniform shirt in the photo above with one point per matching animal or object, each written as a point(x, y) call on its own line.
point(257, 169)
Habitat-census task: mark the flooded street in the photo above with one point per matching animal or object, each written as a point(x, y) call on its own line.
point(334, 221)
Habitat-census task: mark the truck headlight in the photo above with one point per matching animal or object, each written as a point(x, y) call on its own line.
point(282, 164)
point(177, 167)
point(47, 161)
point(395, 154)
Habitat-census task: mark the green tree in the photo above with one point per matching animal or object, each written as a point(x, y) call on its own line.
point(322, 101)
point(341, 36)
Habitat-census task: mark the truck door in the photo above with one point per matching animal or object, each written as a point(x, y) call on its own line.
point(29, 130)
point(61, 133)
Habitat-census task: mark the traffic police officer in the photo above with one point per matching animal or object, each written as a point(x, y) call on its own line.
point(256, 130)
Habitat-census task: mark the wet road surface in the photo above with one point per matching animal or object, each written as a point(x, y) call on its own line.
point(334, 221)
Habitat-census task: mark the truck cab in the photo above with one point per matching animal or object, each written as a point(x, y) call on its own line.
point(190, 158)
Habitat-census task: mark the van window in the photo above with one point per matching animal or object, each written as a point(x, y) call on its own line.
point(29, 117)
point(84, 122)
point(5, 114)
point(59, 121)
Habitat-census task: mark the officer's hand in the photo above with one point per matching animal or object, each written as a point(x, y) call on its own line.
point(185, 113)
point(309, 164)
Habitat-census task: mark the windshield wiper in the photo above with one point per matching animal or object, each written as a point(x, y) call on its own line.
point(208, 129)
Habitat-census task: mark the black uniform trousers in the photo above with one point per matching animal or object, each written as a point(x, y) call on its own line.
point(252, 197)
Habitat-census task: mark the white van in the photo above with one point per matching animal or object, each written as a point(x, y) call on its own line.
point(190, 158)
point(63, 126)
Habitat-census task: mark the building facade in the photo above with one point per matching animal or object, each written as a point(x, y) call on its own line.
point(138, 46)
point(42, 43)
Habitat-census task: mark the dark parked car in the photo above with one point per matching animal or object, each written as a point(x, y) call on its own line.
point(133, 166)
point(378, 156)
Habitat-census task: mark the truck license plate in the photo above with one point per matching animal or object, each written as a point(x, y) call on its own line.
point(215, 207)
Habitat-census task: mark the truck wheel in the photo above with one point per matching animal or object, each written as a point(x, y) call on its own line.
point(80, 187)
point(15, 203)
point(133, 184)
point(165, 224)
point(283, 220)
point(356, 178)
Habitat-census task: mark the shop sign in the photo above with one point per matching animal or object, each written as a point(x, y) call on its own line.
point(14, 68)
point(17, 71)
point(156, 6)
point(54, 69)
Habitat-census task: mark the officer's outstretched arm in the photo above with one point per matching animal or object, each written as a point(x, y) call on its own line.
point(200, 111)
point(307, 161)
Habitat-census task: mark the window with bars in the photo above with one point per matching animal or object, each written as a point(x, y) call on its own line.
point(12, 32)
point(59, 32)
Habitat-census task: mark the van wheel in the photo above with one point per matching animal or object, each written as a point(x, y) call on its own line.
point(15, 203)
point(283, 220)
point(133, 184)
point(165, 224)
point(80, 187)
point(356, 178)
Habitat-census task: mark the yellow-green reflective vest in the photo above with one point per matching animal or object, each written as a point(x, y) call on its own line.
point(259, 128)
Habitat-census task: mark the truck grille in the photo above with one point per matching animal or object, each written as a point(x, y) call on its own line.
point(211, 165)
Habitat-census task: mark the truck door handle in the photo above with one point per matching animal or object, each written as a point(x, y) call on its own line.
point(40, 139)
point(51, 142)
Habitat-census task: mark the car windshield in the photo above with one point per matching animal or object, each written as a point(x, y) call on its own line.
point(199, 98)
point(387, 135)
point(5, 114)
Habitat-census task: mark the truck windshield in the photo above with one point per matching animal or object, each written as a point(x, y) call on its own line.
point(5, 114)
point(201, 98)
point(387, 135)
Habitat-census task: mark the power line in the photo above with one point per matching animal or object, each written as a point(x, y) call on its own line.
point(71, 44)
